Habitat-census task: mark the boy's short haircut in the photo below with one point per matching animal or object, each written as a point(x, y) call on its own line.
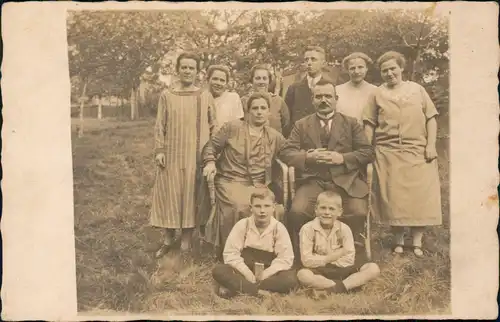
point(329, 195)
point(262, 193)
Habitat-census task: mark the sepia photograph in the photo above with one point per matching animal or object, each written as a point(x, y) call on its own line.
point(261, 162)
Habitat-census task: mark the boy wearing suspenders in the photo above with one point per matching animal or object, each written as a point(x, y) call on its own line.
point(258, 254)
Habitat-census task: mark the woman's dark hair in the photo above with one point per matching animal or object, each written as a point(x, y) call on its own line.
point(260, 67)
point(258, 95)
point(188, 55)
point(211, 69)
point(398, 57)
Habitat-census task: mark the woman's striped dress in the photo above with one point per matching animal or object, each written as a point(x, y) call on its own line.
point(174, 199)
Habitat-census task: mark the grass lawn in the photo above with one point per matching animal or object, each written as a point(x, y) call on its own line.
point(116, 271)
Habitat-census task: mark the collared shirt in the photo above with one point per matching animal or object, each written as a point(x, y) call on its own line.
point(313, 81)
point(329, 117)
point(254, 132)
point(316, 243)
point(273, 239)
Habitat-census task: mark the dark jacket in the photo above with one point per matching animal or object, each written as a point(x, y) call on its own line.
point(298, 98)
point(346, 137)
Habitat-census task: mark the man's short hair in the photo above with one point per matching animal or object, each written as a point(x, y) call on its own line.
point(262, 193)
point(325, 81)
point(345, 61)
point(258, 95)
point(188, 55)
point(222, 68)
point(330, 195)
point(316, 49)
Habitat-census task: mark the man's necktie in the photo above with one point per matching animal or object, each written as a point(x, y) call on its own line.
point(325, 134)
point(326, 127)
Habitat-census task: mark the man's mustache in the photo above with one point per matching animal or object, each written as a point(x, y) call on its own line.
point(324, 104)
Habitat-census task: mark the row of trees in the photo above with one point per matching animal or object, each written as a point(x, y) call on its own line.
point(109, 51)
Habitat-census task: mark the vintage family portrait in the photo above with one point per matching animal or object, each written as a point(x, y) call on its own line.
point(262, 161)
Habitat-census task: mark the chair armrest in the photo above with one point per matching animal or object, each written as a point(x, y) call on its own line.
point(368, 228)
point(284, 177)
point(291, 181)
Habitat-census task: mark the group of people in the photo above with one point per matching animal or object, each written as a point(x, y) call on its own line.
point(330, 134)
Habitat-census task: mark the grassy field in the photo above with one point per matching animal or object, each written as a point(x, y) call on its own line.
point(116, 271)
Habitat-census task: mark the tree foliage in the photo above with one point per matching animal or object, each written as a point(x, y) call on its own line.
point(112, 49)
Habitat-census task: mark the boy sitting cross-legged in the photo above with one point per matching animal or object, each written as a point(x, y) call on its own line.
point(327, 251)
point(258, 254)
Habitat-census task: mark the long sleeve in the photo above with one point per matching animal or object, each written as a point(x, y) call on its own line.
point(160, 125)
point(290, 100)
point(348, 245)
point(291, 153)
point(307, 256)
point(234, 246)
point(212, 116)
point(363, 152)
point(238, 107)
point(370, 111)
point(216, 143)
point(285, 118)
point(284, 252)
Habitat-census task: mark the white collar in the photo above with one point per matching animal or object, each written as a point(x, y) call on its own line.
point(317, 226)
point(313, 81)
point(270, 227)
point(329, 116)
point(254, 132)
point(221, 96)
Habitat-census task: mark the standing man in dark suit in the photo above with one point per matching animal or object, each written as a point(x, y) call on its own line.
point(298, 95)
point(330, 152)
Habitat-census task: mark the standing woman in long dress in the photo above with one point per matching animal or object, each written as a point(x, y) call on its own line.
point(402, 125)
point(357, 93)
point(183, 124)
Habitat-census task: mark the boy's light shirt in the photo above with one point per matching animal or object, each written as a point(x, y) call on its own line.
point(236, 242)
point(315, 243)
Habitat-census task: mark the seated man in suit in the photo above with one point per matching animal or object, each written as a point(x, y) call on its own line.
point(327, 251)
point(258, 254)
point(330, 152)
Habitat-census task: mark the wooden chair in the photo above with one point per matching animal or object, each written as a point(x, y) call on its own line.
point(367, 227)
point(280, 186)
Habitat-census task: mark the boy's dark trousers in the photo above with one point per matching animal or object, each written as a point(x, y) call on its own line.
point(233, 280)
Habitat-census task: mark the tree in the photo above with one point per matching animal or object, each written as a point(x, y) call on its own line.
point(110, 51)
point(118, 46)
